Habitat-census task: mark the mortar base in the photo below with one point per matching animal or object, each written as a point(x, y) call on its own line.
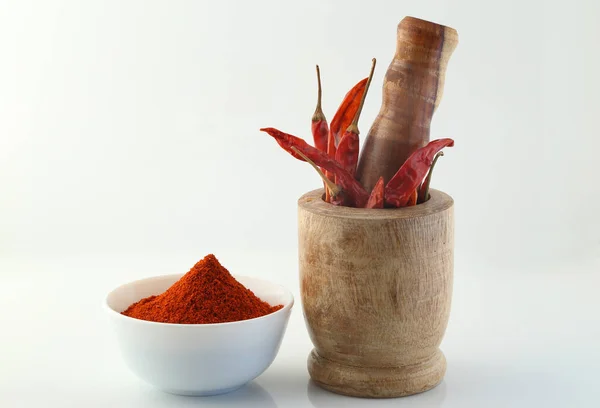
point(376, 382)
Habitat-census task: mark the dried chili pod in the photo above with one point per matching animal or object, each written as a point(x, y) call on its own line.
point(345, 114)
point(334, 189)
point(412, 200)
point(356, 195)
point(342, 118)
point(410, 175)
point(347, 150)
point(376, 197)
point(286, 141)
point(319, 127)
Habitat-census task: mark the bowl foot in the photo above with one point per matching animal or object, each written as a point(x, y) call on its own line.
point(192, 393)
point(376, 382)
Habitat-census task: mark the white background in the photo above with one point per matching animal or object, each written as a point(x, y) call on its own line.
point(129, 147)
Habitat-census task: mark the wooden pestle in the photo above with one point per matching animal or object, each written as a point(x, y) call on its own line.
point(412, 90)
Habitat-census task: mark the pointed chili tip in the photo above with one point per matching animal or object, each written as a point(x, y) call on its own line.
point(270, 131)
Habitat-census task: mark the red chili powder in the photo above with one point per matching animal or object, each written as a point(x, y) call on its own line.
point(206, 294)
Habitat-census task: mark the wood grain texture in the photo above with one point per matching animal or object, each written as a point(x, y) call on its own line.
point(376, 288)
point(412, 90)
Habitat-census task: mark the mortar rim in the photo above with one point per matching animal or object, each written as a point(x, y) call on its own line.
point(312, 202)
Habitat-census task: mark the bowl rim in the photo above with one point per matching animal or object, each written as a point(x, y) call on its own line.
point(119, 315)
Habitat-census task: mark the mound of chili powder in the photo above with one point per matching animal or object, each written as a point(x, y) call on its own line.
point(206, 294)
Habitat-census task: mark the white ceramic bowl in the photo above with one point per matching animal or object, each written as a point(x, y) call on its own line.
point(198, 359)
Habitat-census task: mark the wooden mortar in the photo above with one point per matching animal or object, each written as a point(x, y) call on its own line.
point(412, 90)
point(376, 287)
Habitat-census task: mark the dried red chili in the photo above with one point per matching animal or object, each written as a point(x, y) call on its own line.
point(347, 150)
point(376, 197)
point(355, 193)
point(330, 186)
point(410, 175)
point(341, 120)
point(206, 294)
point(319, 127)
point(345, 114)
point(337, 165)
point(286, 141)
point(412, 200)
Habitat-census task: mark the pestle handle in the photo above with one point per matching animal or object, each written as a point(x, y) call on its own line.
point(412, 90)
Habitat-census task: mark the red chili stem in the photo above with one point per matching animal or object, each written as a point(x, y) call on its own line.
point(412, 172)
point(424, 190)
point(327, 192)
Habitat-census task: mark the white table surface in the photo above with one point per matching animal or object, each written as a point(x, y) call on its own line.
point(524, 337)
